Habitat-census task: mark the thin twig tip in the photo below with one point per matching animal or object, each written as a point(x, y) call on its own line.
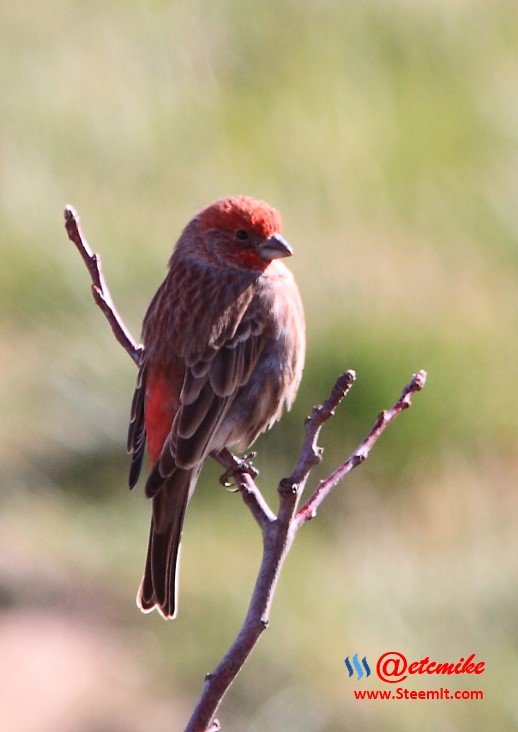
point(70, 212)
point(342, 386)
point(350, 376)
point(419, 380)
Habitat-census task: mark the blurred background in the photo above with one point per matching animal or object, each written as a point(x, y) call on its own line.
point(385, 132)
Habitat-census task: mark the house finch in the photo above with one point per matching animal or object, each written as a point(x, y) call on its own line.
point(224, 351)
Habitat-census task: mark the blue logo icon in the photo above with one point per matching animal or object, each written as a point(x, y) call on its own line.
point(357, 667)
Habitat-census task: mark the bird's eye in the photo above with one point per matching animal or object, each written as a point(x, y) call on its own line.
point(242, 234)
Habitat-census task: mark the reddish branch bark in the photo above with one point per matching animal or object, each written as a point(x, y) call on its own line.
point(100, 291)
point(278, 530)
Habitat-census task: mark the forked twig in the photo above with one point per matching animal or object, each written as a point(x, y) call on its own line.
point(325, 486)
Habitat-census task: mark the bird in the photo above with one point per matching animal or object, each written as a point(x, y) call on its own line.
point(224, 348)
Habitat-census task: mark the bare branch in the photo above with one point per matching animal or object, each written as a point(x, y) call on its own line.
point(310, 454)
point(100, 291)
point(291, 489)
point(279, 535)
point(361, 453)
point(276, 545)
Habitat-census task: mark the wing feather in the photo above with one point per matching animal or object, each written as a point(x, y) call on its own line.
point(137, 432)
point(191, 387)
point(190, 416)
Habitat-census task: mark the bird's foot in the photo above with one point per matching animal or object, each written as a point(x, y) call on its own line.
point(238, 465)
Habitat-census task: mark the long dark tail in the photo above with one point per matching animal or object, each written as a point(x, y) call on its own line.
point(158, 586)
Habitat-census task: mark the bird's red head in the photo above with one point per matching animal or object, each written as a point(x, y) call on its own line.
point(243, 232)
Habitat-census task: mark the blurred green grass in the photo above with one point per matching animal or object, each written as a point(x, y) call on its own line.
point(385, 133)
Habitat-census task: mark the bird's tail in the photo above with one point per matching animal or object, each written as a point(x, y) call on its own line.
point(158, 586)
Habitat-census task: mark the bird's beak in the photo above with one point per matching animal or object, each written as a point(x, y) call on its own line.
point(275, 247)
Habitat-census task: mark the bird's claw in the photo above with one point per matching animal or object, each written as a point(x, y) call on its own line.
point(241, 465)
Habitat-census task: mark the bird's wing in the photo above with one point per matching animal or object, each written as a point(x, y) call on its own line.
point(219, 359)
point(137, 430)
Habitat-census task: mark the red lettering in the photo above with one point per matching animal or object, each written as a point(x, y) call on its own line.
point(468, 665)
point(392, 665)
point(367, 694)
point(422, 664)
point(445, 668)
